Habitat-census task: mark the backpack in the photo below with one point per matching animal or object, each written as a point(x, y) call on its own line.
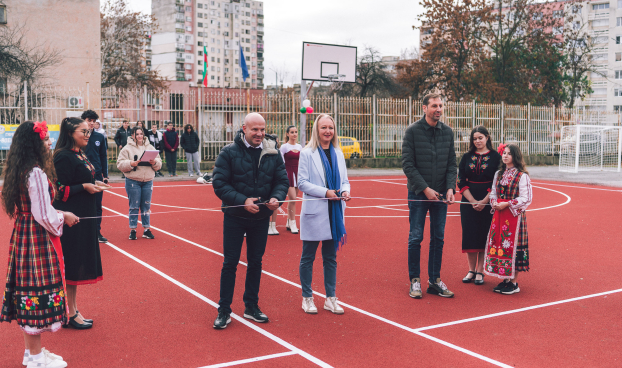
point(206, 178)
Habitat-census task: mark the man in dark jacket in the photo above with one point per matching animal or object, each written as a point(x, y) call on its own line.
point(155, 137)
point(171, 144)
point(123, 133)
point(429, 162)
point(250, 175)
point(97, 152)
point(190, 143)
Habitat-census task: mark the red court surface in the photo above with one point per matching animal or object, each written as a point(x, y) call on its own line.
point(157, 302)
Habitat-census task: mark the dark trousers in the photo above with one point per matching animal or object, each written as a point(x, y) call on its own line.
point(171, 161)
point(416, 216)
point(98, 203)
point(233, 237)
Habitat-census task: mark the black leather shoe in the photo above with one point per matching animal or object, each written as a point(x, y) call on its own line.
point(78, 326)
point(222, 320)
point(467, 279)
point(479, 282)
point(86, 320)
point(253, 312)
point(101, 238)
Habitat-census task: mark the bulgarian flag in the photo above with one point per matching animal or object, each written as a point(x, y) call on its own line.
point(204, 66)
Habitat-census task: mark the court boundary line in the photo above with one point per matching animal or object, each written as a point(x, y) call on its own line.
point(364, 312)
point(251, 360)
point(243, 321)
point(513, 311)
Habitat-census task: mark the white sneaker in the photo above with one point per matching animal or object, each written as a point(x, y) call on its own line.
point(331, 305)
point(27, 357)
point(308, 306)
point(191, 175)
point(46, 361)
point(292, 226)
point(272, 229)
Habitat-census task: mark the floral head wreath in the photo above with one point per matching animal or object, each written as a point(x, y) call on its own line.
point(41, 128)
point(501, 148)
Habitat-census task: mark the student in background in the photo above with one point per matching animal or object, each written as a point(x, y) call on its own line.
point(190, 143)
point(155, 138)
point(171, 145)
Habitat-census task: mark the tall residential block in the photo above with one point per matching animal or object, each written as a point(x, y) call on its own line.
point(187, 27)
point(68, 26)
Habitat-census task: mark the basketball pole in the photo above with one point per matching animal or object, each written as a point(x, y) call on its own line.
point(303, 117)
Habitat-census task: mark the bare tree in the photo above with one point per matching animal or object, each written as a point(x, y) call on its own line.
point(124, 36)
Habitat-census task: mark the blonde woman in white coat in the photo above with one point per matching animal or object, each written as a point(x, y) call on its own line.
point(322, 174)
point(138, 179)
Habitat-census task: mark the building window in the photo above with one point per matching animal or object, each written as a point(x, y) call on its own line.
point(2, 14)
point(212, 77)
point(618, 56)
point(600, 23)
point(200, 62)
point(617, 92)
point(200, 53)
point(618, 74)
point(617, 108)
point(201, 25)
point(558, 30)
point(213, 59)
point(617, 40)
point(600, 39)
point(559, 13)
point(618, 21)
point(599, 91)
point(199, 43)
point(600, 6)
point(188, 8)
point(619, 4)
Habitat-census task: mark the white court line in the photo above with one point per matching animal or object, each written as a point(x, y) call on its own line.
point(516, 310)
point(251, 360)
point(574, 186)
point(171, 186)
point(375, 316)
point(243, 321)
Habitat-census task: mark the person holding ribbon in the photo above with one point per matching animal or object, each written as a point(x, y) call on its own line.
point(35, 293)
point(322, 174)
point(507, 244)
point(475, 173)
point(76, 193)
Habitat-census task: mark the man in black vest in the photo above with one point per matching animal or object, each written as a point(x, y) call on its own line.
point(250, 174)
point(429, 162)
point(97, 152)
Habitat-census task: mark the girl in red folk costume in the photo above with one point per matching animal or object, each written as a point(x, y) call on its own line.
point(34, 295)
point(506, 248)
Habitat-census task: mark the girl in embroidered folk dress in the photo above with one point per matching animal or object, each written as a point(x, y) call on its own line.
point(475, 173)
point(34, 295)
point(510, 195)
point(291, 153)
point(76, 189)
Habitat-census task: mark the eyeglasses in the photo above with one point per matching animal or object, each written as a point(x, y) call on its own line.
point(86, 132)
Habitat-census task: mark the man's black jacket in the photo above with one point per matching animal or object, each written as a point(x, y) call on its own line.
point(121, 137)
point(236, 178)
point(429, 158)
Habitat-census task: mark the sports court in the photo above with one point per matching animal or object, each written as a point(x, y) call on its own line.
point(158, 300)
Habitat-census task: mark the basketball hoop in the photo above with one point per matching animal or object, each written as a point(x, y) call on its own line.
point(336, 81)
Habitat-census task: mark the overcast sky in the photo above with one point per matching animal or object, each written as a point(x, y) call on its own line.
point(383, 24)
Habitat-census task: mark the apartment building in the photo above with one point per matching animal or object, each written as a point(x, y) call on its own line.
point(75, 34)
point(187, 26)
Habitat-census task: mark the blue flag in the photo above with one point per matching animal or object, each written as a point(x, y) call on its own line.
point(243, 65)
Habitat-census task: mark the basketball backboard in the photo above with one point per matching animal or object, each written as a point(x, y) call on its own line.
point(320, 60)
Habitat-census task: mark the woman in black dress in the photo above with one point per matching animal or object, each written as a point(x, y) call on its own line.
point(76, 186)
point(475, 174)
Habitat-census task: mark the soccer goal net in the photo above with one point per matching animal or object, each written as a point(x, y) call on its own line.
point(590, 148)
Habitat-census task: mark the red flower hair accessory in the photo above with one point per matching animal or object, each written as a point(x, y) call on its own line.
point(41, 128)
point(501, 148)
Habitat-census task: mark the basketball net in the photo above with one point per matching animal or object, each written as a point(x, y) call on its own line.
point(336, 81)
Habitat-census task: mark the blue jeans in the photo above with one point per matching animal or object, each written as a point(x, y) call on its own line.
point(329, 257)
point(416, 216)
point(139, 194)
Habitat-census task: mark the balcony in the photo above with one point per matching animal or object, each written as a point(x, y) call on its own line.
point(260, 33)
point(260, 16)
point(180, 60)
point(260, 46)
point(179, 2)
point(181, 75)
point(600, 14)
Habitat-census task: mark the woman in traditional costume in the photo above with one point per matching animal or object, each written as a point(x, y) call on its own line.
point(76, 186)
point(506, 249)
point(35, 291)
point(475, 173)
point(291, 154)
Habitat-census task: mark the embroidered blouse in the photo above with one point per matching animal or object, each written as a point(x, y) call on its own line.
point(41, 203)
point(477, 170)
point(519, 204)
point(67, 191)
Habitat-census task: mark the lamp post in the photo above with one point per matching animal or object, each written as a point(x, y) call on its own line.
point(276, 80)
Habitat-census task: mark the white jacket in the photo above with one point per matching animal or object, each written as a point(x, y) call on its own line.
point(126, 156)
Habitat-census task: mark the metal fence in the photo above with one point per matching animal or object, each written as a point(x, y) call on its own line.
point(378, 124)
